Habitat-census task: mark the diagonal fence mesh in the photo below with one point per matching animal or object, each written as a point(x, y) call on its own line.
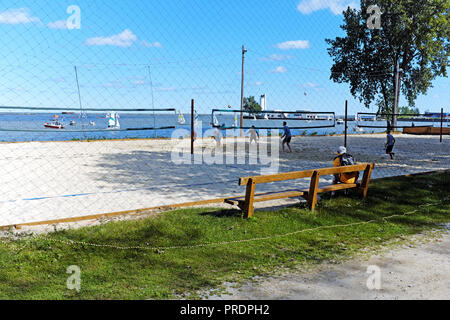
point(142, 63)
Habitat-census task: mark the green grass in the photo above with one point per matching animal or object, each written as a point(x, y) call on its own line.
point(35, 268)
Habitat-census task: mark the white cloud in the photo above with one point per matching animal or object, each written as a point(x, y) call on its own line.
point(60, 24)
point(166, 89)
point(18, 16)
point(114, 84)
point(335, 6)
point(276, 57)
point(279, 69)
point(309, 85)
point(151, 44)
point(124, 39)
point(297, 44)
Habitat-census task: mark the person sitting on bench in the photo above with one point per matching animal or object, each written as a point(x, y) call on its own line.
point(344, 159)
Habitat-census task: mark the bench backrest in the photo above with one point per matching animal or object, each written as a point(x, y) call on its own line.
point(304, 174)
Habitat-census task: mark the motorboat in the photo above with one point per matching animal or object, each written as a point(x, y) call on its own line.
point(340, 121)
point(72, 122)
point(54, 125)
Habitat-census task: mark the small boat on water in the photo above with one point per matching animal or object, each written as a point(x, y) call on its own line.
point(72, 122)
point(91, 123)
point(54, 125)
point(426, 130)
point(340, 121)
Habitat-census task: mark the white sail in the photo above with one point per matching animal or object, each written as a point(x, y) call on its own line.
point(196, 117)
point(113, 121)
point(215, 121)
point(181, 119)
point(235, 120)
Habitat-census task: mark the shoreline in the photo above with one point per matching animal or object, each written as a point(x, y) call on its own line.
point(169, 138)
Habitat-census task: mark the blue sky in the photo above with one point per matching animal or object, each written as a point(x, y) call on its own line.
point(163, 53)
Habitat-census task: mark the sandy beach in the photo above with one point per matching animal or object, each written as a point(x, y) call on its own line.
point(54, 180)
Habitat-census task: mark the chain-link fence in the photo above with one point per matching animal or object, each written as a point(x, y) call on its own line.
point(95, 104)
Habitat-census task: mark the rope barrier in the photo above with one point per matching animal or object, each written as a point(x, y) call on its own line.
point(212, 244)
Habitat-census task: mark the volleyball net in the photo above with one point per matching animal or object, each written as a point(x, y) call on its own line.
point(386, 120)
point(231, 119)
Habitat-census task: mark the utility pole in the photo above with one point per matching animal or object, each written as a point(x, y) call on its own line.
point(397, 95)
point(242, 88)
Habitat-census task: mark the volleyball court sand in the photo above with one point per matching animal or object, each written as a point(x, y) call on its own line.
point(54, 180)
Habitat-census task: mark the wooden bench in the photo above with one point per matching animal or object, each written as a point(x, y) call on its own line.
point(246, 203)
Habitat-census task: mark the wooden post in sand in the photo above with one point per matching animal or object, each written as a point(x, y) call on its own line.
point(192, 126)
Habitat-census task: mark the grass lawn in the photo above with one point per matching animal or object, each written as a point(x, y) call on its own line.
point(35, 267)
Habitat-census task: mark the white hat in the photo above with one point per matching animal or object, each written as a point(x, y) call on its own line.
point(342, 149)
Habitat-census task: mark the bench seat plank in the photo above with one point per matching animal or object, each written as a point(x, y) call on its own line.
point(334, 187)
point(260, 197)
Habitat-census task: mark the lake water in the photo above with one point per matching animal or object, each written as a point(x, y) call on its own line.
point(35, 123)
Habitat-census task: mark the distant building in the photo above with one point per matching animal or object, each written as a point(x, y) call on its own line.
point(437, 115)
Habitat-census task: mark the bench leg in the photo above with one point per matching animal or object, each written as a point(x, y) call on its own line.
point(312, 194)
point(249, 196)
point(365, 181)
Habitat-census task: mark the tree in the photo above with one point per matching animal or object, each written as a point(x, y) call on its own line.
point(408, 110)
point(250, 105)
point(414, 33)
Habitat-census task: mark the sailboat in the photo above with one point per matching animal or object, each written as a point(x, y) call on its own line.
point(215, 121)
point(113, 122)
point(196, 117)
point(181, 119)
point(235, 124)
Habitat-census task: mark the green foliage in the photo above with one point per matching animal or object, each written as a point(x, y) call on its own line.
point(250, 105)
point(407, 110)
point(414, 33)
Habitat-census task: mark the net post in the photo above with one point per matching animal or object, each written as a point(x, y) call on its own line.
point(192, 126)
point(442, 122)
point(345, 125)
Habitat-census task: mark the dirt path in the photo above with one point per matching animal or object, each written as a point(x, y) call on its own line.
point(414, 271)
